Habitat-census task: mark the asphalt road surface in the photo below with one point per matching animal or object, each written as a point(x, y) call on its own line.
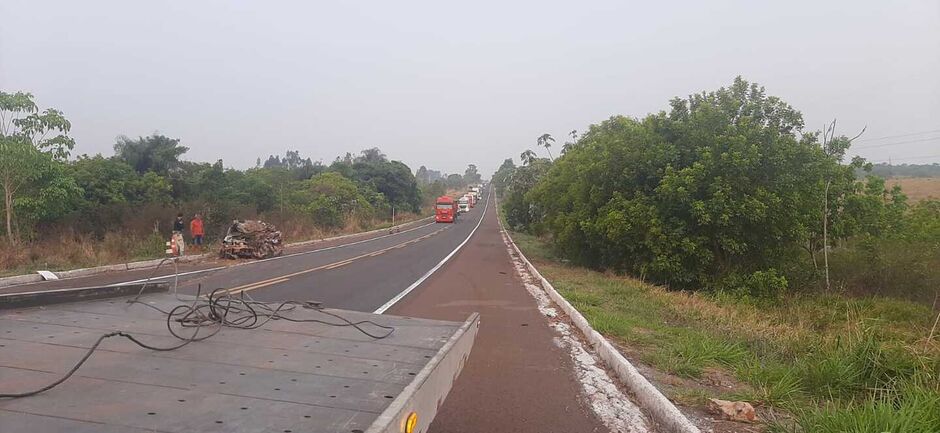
point(517, 378)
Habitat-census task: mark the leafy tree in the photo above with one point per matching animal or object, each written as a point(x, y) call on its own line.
point(455, 181)
point(546, 140)
point(718, 188)
point(471, 175)
point(503, 175)
point(273, 188)
point(344, 166)
point(106, 181)
point(422, 176)
point(432, 191)
point(393, 179)
point(569, 144)
point(373, 155)
point(300, 168)
point(922, 224)
point(872, 209)
point(902, 170)
point(30, 162)
point(527, 157)
point(330, 198)
point(50, 197)
point(522, 212)
point(157, 153)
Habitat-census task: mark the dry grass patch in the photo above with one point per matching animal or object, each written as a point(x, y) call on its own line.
point(918, 188)
point(817, 356)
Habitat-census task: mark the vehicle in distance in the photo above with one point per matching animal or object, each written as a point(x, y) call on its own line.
point(463, 204)
point(445, 210)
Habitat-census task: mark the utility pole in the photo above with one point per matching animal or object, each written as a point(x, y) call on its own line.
point(827, 138)
point(826, 233)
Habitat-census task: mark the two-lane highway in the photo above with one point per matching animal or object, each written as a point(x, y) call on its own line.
point(518, 378)
point(362, 275)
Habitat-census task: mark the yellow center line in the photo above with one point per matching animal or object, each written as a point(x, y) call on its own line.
point(285, 277)
point(257, 286)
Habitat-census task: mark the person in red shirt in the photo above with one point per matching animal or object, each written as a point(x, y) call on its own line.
point(197, 230)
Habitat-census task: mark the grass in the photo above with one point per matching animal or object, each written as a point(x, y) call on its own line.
point(918, 188)
point(835, 363)
point(72, 250)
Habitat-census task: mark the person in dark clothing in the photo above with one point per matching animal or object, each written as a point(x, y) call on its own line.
point(178, 227)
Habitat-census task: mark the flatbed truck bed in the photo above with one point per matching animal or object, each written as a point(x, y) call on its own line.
point(284, 377)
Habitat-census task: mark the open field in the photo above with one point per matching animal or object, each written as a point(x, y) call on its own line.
point(810, 362)
point(918, 188)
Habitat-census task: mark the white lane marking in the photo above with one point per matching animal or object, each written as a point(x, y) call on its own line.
point(274, 258)
point(417, 283)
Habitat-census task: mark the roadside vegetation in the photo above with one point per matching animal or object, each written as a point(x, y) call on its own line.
point(62, 212)
point(810, 362)
point(720, 239)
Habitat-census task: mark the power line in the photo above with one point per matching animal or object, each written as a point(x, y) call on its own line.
point(898, 142)
point(899, 135)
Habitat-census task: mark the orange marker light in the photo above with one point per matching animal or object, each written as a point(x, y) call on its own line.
point(411, 422)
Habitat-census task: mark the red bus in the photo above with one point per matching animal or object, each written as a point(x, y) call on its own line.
point(445, 210)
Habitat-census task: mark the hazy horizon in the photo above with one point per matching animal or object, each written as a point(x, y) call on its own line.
point(443, 85)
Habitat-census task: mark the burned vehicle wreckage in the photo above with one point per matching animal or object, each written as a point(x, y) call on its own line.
point(251, 239)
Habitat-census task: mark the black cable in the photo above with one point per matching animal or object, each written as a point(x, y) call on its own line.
point(219, 310)
point(88, 355)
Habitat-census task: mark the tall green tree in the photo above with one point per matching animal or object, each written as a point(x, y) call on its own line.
point(330, 198)
point(33, 144)
point(157, 153)
point(106, 181)
point(422, 176)
point(527, 157)
point(546, 140)
point(720, 189)
point(455, 181)
point(301, 168)
point(372, 155)
point(521, 210)
point(393, 179)
point(569, 144)
point(503, 175)
point(471, 175)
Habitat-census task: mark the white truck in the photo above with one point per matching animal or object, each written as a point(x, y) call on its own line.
point(463, 205)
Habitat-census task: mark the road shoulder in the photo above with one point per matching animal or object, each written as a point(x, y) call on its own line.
point(520, 376)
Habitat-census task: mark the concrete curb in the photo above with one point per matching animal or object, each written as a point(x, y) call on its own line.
point(648, 397)
point(147, 264)
point(314, 241)
point(48, 297)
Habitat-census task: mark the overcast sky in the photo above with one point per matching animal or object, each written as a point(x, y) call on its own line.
point(442, 85)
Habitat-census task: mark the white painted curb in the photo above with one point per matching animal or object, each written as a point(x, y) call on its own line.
point(659, 408)
point(146, 264)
